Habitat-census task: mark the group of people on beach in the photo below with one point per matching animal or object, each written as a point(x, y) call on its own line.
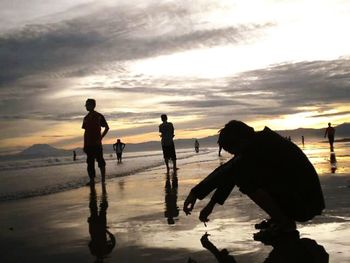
point(272, 171)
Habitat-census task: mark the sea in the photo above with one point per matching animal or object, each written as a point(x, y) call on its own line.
point(36, 177)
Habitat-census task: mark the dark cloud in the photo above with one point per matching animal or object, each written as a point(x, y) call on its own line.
point(87, 44)
point(331, 114)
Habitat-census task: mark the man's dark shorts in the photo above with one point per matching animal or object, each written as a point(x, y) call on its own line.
point(95, 153)
point(169, 151)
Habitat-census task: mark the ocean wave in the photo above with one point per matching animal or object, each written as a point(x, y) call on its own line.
point(48, 179)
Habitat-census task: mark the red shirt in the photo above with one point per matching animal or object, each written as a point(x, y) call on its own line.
point(92, 124)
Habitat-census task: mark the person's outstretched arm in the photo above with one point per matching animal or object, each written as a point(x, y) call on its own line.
point(219, 179)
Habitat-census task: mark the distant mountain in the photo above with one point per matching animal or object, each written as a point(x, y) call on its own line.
point(341, 131)
point(45, 150)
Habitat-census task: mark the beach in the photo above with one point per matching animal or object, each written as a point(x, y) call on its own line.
point(143, 212)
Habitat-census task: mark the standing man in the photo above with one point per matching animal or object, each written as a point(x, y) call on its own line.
point(118, 147)
point(166, 130)
point(92, 124)
point(330, 131)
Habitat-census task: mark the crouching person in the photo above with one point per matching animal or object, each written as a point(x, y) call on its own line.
point(272, 171)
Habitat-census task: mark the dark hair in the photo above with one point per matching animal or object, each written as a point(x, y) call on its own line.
point(163, 117)
point(91, 102)
point(233, 131)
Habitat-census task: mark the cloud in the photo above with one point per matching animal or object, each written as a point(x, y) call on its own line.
point(87, 44)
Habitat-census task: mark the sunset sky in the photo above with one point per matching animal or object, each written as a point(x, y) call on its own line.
point(284, 64)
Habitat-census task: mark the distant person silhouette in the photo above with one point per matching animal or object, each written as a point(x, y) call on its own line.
point(74, 156)
point(92, 124)
point(330, 132)
point(287, 249)
point(118, 148)
point(272, 171)
point(166, 130)
point(171, 209)
point(302, 140)
point(196, 146)
point(102, 240)
point(220, 148)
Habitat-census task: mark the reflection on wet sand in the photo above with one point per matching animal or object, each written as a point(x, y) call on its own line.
point(102, 241)
point(289, 248)
point(171, 211)
point(333, 162)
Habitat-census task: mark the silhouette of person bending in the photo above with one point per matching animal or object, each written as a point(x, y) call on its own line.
point(102, 240)
point(92, 124)
point(289, 192)
point(330, 131)
point(166, 130)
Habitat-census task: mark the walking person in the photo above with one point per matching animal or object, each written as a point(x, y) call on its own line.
point(220, 149)
point(330, 132)
point(196, 146)
point(288, 193)
point(118, 147)
point(92, 124)
point(166, 130)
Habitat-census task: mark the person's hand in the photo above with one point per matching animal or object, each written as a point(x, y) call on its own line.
point(205, 241)
point(189, 203)
point(206, 211)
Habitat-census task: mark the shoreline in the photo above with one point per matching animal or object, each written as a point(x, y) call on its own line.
point(55, 227)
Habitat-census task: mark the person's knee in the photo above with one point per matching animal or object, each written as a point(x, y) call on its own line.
point(101, 163)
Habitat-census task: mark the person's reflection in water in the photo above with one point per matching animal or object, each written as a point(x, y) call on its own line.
point(171, 209)
point(333, 162)
point(289, 248)
point(102, 241)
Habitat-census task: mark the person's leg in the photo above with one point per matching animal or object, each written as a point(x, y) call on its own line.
point(103, 173)
point(101, 162)
point(174, 164)
point(166, 156)
point(264, 200)
point(91, 169)
point(172, 154)
point(90, 160)
point(166, 160)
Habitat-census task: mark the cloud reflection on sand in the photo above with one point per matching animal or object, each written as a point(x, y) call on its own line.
point(229, 233)
point(334, 236)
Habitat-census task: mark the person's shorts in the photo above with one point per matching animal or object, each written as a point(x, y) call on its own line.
point(169, 151)
point(119, 155)
point(95, 153)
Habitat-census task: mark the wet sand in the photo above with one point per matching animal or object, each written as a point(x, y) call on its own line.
point(55, 228)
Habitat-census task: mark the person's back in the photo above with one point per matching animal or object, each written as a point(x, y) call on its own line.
point(92, 124)
point(167, 131)
point(279, 166)
point(330, 131)
point(119, 147)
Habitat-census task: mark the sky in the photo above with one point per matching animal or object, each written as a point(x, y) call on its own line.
point(282, 64)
